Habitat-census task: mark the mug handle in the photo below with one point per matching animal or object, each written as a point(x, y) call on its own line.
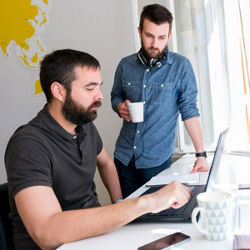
point(194, 219)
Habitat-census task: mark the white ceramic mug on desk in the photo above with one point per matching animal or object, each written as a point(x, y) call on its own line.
point(215, 214)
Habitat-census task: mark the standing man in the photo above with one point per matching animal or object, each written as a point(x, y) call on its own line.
point(51, 163)
point(165, 82)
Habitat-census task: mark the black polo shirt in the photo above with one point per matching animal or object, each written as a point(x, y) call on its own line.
point(43, 153)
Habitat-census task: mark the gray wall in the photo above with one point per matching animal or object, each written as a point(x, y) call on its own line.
point(104, 29)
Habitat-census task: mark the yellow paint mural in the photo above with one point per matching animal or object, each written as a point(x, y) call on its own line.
point(21, 23)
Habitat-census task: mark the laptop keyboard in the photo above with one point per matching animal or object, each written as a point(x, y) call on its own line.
point(183, 213)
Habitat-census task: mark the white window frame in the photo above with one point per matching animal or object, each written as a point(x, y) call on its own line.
point(217, 75)
point(215, 18)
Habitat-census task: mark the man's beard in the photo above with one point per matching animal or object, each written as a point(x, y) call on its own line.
point(77, 114)
point(149, 55)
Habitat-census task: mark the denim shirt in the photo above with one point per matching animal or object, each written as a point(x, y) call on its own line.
point(167, 90)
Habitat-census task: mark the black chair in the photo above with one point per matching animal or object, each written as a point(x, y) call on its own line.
point(6, 242)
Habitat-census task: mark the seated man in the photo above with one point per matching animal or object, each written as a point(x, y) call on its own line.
point(51, 163)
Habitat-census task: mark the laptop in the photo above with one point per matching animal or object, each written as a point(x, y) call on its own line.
point(184, 213)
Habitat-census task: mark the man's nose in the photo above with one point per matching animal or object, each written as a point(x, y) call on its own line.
point(99, 95)
point(154, 43)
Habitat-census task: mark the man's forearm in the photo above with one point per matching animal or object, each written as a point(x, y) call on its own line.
point(110, 179)
point(109, 175)
point(51, 227)
point(193, 128)
point(69, 226)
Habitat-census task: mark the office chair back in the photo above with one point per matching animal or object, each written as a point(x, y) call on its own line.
point(6, 242)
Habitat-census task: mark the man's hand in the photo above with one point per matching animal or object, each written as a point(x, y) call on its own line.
point(123, 110)
point(200, 165)
point(173, 195)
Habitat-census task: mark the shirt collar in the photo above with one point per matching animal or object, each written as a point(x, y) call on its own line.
point(52, 125)
point(169, 58)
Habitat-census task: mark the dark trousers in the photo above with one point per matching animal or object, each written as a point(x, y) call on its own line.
point(132, 178)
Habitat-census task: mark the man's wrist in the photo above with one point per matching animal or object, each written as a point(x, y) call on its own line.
point(118, 200)
point(201, 154)
point(119, 105)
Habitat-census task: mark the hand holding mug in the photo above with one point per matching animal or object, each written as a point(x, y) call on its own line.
point(124, 111)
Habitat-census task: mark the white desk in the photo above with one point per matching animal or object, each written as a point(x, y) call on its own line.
point(133, 235)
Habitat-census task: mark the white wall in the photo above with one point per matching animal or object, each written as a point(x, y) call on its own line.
point(104, 29)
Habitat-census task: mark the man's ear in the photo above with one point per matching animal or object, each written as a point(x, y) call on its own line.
point(58, 91)
point(139, 31)
point(169, 36)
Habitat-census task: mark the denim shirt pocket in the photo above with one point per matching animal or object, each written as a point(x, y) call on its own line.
point(162, 92)
point(132, 90)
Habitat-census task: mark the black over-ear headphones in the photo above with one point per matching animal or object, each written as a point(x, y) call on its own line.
point(153, 62)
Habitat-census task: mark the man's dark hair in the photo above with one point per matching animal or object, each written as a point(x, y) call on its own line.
point(157, 14)
point(59, 67)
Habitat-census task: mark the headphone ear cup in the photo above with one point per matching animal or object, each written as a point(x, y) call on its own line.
point(158, 64)
point(155, 62)
point(142, 58)
point(151, 63)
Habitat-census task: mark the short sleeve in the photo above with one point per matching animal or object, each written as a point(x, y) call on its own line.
point(27, 164)
point(99, 143)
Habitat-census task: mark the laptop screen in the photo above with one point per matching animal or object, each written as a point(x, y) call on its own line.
point(213, 177)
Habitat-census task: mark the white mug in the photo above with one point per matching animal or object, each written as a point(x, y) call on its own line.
point(215, 213)
point(136, 111)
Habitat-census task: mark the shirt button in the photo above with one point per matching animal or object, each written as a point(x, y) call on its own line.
point(162, 85)
point(74, 137)
point(147, 70)
point(129, 83)
point(144, 85)
point(138, 131)
point(134, 147)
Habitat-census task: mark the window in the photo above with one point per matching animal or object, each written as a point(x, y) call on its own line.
point(200, 32)
point(215, 36)
point(237, 19)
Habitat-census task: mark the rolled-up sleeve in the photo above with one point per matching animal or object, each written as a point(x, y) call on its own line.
point(188, 93)
point(117, 93)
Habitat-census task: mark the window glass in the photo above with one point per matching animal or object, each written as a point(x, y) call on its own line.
point(215, 36)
